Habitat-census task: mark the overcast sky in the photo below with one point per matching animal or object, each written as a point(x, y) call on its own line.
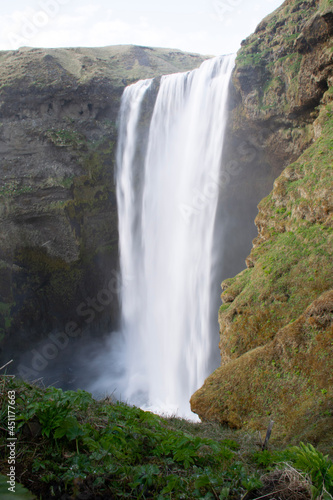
point(204, 26)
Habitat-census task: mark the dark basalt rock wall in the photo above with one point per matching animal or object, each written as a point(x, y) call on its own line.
point(58, 219)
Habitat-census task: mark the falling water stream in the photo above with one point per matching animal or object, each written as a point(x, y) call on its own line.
point(167, 192)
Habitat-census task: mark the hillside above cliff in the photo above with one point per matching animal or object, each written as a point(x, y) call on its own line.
point(117, 64)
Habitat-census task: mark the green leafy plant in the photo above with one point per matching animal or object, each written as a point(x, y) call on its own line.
point(318, 467)
point(114, 450)
point(269, 459)
point(145, 476)
point(21, 493)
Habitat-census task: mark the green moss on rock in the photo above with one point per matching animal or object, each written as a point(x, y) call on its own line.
point(276, 324)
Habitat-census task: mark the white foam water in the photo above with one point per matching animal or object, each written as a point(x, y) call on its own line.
point(167, 205)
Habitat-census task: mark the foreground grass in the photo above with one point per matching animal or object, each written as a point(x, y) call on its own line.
point(71, 446)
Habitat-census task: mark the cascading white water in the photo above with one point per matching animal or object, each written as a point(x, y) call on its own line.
point(167, 204)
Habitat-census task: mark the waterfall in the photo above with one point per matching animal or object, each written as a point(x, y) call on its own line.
point(167, 191)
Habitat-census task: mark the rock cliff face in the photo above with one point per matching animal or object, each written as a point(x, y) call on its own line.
point(278, 82)
point(58, 236)
point(276, 332)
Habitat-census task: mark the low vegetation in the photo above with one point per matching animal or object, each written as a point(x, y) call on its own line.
point(69, 444)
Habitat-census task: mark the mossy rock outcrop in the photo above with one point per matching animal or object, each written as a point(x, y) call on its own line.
point(282, 72)
point(276, 318)
point(276, 88)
